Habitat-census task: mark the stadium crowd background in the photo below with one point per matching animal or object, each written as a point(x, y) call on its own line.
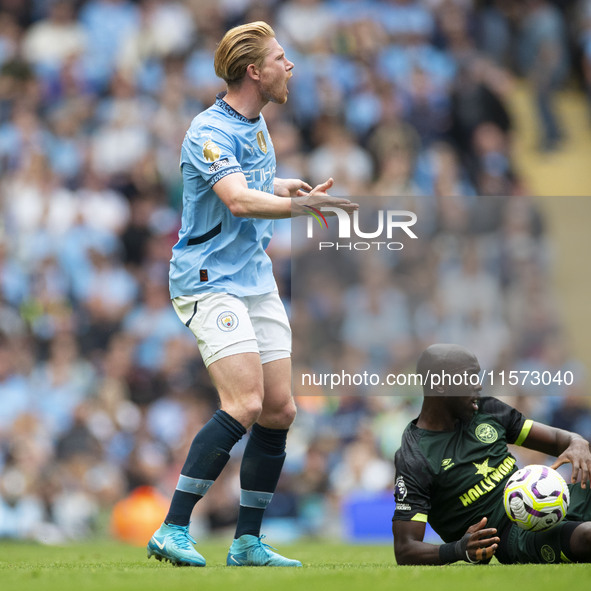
point(101, 387)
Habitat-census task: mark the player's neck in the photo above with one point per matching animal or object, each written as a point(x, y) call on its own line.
point(433, 418)
point(245, 101)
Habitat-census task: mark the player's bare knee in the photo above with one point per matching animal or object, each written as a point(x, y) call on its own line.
point(586, 534)
point(279, 417)
point(246, 408)
point(252, 407)
point(580, 542)
point(287, 415)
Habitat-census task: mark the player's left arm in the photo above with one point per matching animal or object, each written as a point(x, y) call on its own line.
point(290, 187)
point(478, 544)
point(566, 446)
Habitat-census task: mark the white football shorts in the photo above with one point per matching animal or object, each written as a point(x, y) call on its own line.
point(226, 325)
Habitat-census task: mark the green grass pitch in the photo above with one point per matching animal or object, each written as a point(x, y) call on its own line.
point(109, 566)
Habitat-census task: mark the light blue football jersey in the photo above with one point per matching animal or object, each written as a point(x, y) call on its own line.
point(216, 251)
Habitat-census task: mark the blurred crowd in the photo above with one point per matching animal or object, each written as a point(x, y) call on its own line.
point(101, 386)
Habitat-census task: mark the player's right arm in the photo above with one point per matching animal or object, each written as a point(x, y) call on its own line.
point(233, 190)
point(477, 545)
point(566, 446)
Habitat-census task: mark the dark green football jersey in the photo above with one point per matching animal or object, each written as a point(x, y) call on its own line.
point(454, 478)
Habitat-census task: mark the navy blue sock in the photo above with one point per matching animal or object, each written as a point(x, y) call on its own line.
point(207, 457)
point(259, 473)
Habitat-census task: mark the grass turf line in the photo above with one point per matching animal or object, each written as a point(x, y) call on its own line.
point(327, 567)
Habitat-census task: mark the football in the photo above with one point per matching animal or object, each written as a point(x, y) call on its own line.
point(536, 498)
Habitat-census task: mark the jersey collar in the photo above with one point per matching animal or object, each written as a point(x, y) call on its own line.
point(222, 104)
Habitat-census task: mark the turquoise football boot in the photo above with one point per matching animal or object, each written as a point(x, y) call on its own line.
point(173, 543)
point(249, 550)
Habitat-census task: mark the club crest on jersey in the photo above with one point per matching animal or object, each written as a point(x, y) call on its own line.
point(486, 433)
point(211, 152)
point(227, 321)
point(262, 142)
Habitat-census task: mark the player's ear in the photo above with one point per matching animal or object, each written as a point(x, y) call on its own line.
point(440, 390)
point(253, 72)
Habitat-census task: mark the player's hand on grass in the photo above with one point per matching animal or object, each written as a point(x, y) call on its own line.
point(480, 542)
point(579, 455)
point(318, 197)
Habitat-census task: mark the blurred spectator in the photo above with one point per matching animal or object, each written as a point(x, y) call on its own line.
point(477, 98)
point(305, 25)
point(339, 157)
point(361, 468)
point(544, 58)
point(61, 383)
point(376, 319)
point(153, 324)
point(490, 163)
point(100, 206)
point(166, 28)
point(584, 43)
point(108, 23)
point(10, 34)
point(50, 41)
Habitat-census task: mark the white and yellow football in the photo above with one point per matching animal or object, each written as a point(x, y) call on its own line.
point(536, 498)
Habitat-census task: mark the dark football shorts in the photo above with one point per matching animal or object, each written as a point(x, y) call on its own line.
point(549, 547)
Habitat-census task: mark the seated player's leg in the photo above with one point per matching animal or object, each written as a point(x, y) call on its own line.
point(579, 509)
point(580, 542)
point(554, 546)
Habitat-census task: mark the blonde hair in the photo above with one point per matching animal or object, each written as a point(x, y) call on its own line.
point(240, 47)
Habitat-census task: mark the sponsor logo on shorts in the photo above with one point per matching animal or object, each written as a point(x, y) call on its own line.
point(227, 321)
point(548, 554)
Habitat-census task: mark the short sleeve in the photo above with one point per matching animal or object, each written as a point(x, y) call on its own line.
point(412, 487)
point(211, 152)
point(516, 425)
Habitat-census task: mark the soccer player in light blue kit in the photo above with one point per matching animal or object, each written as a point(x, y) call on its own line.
point(222, 287)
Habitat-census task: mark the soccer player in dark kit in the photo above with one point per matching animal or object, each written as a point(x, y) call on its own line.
point(453, 465)
point(223, 289)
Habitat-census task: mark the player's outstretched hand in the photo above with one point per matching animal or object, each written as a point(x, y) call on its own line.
point(481, 543)
point(290, 187)
point(318, 197)
point(579, 455)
